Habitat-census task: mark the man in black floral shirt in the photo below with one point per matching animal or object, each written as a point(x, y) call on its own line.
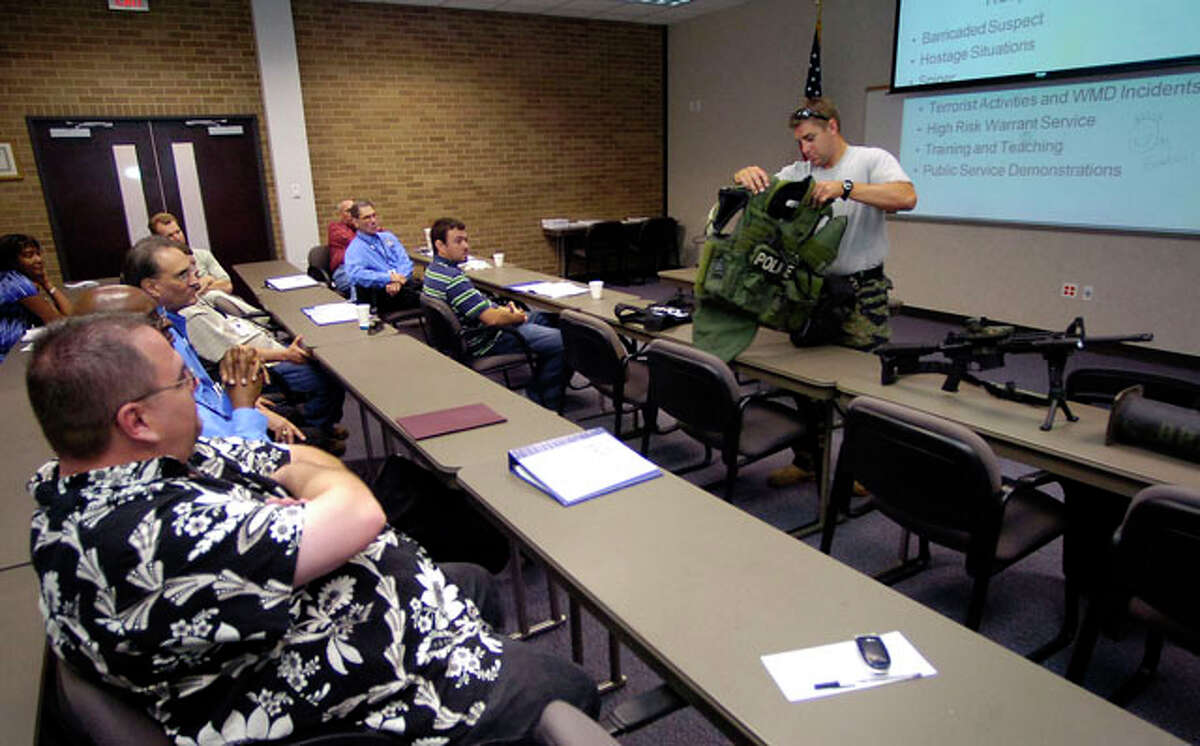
point(243, 590)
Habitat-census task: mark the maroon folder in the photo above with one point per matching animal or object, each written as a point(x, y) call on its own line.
point(453, 420)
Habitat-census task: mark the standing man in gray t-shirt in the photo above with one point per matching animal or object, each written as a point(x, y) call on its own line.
point(863, 184)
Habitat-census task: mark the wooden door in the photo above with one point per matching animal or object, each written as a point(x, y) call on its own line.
point(103, 178)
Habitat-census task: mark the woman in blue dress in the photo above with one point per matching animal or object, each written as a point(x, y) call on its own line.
point(27, 298)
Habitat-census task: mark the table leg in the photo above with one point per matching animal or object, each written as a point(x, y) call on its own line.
point(826, 481)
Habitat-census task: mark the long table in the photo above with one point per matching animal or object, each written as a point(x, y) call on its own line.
point(21, 630)
point(1071, 449)
point(423, 380)
point(700, 589)
point(287, 306)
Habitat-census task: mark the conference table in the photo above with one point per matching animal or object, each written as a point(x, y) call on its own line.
point(290, 304)
point(829, 374)
point(1075, 450)
point(501, 281)
point(700, 590)
point(683, 278)
point(420, 380)
point(22, 635)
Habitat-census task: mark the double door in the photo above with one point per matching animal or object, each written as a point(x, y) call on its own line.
point(104, 177)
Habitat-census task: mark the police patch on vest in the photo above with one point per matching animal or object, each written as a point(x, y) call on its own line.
point(772, 263)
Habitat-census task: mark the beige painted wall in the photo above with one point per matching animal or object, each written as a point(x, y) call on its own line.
point(746, 68)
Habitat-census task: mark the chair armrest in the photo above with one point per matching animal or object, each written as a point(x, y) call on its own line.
point(1031, 480)
point(745, 401)
point(475, 331)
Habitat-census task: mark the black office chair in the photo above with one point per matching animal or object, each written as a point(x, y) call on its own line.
point(564, 725)
point(699, 390)
point(940, 481)
point(318, 265)
point(592, 349)
point(1149, 579)
point(604, 251)
point(657, 244)
point(1094, 512)
point(94, 714)
point(448, 337)
point(390, 312)
point(98, 715)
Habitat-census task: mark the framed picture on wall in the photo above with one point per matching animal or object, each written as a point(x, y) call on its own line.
point(8, 164)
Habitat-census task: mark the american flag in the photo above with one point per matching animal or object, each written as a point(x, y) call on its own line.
point(812, 86)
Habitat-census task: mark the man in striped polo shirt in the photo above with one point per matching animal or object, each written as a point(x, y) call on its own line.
point(445, 281)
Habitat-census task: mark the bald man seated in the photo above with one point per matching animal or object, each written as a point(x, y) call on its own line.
point(243, 591)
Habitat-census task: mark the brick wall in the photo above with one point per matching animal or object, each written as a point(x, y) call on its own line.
point(497, 119)
point(77, 58)
point(500, 119)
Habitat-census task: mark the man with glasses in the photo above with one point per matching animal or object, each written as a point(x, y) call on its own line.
point(377, 264)
point(167, 275)
point(216, 287)
point(212, 275)
point(242, 591)
point(863, 184)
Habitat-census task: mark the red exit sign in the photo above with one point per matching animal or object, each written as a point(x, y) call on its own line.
point(137, 5)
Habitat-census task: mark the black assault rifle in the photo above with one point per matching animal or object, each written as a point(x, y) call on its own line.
point(982, 346)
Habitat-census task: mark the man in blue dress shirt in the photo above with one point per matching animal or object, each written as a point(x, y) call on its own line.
point(160, 268)
point(377, 265)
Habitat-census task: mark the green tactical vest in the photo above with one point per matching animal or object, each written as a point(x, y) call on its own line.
point(768, 270)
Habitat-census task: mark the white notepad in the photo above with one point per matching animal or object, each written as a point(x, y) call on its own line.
point(580, 466)
point(332, 313)
point(560, 289)
point(837, 668)
point(290, 282)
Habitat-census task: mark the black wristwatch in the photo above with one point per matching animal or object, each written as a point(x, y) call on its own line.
point(847, 187)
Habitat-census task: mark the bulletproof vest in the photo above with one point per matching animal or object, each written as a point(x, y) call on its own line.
point(768, 269)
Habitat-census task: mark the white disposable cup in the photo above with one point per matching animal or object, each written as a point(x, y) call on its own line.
point(428, 240)
point(498, 259)
point(596, 288)
point(364, 315)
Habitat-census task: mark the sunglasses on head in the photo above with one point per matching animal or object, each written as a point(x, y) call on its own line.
point(803, 113)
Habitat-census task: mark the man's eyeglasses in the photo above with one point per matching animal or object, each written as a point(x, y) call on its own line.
point(799, 115)
point(187, 379)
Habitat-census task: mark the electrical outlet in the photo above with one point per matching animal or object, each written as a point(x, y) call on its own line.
point(1087, 292)
point(1069, 290)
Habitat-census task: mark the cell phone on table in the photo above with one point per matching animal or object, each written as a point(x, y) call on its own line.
point(874, 653)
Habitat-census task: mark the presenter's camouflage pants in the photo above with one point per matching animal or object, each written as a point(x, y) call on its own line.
point(867, 326)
